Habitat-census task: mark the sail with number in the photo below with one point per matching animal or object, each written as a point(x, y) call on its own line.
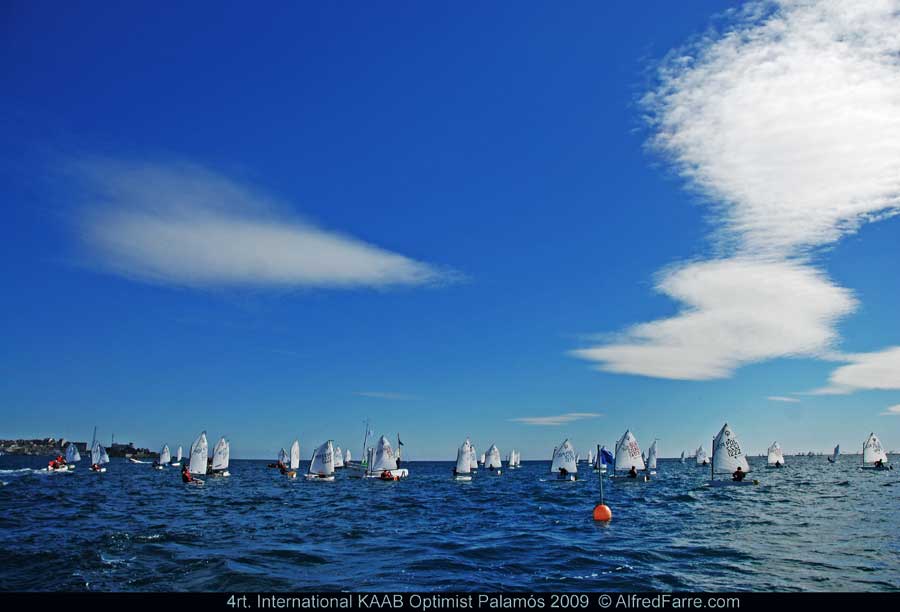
point(873, 451)
point(728, 455)
point(322, 462)
point(493, 458)
point(72, 454)
point(199, 454)
point(338, 457)
point(295, 455)
point(564, 458)
point(383, 458)
point(464, 458)
point(221, 454)
point(775, 455)
point(702, 458)
point(95, 454)
point(628, 453)
point(651, 456)
point(164, 455)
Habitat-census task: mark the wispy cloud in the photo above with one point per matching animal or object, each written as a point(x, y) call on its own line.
point(781, 398)
point(788, 125)
point(559, 419)
point(875, 370)
point(892, 411)
point(184, 225)
point(388, 395)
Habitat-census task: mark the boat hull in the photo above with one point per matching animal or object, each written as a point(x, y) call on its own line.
point(396, 474)
point(316, 477)
point(463, 478)
point(732, 483)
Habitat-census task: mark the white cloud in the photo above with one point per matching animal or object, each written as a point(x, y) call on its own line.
point(184, 225)
point(788, 124)
point(781, 398)
point(559, 419)
point(389, 395)
point(892, 411)
point(875, 370)
point(736, 312)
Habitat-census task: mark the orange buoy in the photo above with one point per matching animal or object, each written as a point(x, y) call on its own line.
point(602, 512)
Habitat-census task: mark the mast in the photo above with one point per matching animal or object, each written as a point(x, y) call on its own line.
point(365, 442)
point(712, 461)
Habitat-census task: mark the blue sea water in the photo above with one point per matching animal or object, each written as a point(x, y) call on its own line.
point(810, 526)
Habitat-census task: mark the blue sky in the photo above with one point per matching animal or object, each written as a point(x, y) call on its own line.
point(446, 218)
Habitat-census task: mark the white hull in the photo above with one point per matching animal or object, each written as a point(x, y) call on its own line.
point(400, 473)
point(774, 467)
point(174, 465)
point(59, 469)
point(872, 467)
point(320, 478)
point(219, 474)
point(157, 467)
point(100, 471)
point(462, 478)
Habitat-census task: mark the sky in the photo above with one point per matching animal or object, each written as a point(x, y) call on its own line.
point(517, 222)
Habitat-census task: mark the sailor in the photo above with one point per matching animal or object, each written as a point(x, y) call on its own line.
point(186, 475)
point(386, 475)
point(778, 464)
point(563, 473)
point(632, 473)
point(879, 464)
point(738, 475)
point(60, 460)
point(95, 467)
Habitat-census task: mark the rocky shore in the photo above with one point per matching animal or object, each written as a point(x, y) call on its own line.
point(54, 446)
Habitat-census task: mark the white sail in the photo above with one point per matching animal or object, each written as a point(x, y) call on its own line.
point(322, 462)
point(628, 453)
point(682, 456)
point(564, 458)
point(178, 455)
point(473, 460)
point(517, 458)
point(492, 458)
point(199, 455)
point(95, 454)
point(483, 459)
point(873, 451)
point(837, 452)
point(72, 454)
point(384, 458)
point(220, 455)
point(295, 455)
point(464, 458)
point(702, 456)
point(164, 455)
point(338, 457)
point(590, 457)
point(104, 458)
point(728, 455)
point(283, 456)
point(651, 456)
point(347, 456)
point(775, 454)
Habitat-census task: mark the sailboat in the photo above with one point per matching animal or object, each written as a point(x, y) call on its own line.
point(682, 456)
point(481, 460)
point(701, 456)
point(177, 462)
point(775, 457)
point(590, 457)
point(473, 461)
point(347, 456)
point(291, 463)
point(602, 459)
point(382, 463)
point(727, 457)
point(321, 466)
point(72, 456)
point(281, 460)
point(492, 460)
point(463, 469)
point(628, 455)
point(517, 459)
point(874, 457)
point(564, 463)
point(165, 457)
point(221, 455)
point(199, 455)
point(835, 455)
point(651, 458)
point(338, 458)
point(98, 458)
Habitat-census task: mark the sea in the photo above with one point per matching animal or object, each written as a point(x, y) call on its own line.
point(811, 526)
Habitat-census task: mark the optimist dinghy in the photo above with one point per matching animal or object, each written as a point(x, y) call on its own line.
point(874, 457)
point(321, 466)
point(338, 458)
point(564, 463)
point(292, 463)
point(727, 457)
point(221, 456)
point(651, 458)
point(177, 462)
point(199, 455)
point(492, 460)
point(98, 458)
point(628, 456)
point(165, 457)
point(775, 457)
point(381, 462)
point(701, 456)
point(835, 455)
point(463, 469)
